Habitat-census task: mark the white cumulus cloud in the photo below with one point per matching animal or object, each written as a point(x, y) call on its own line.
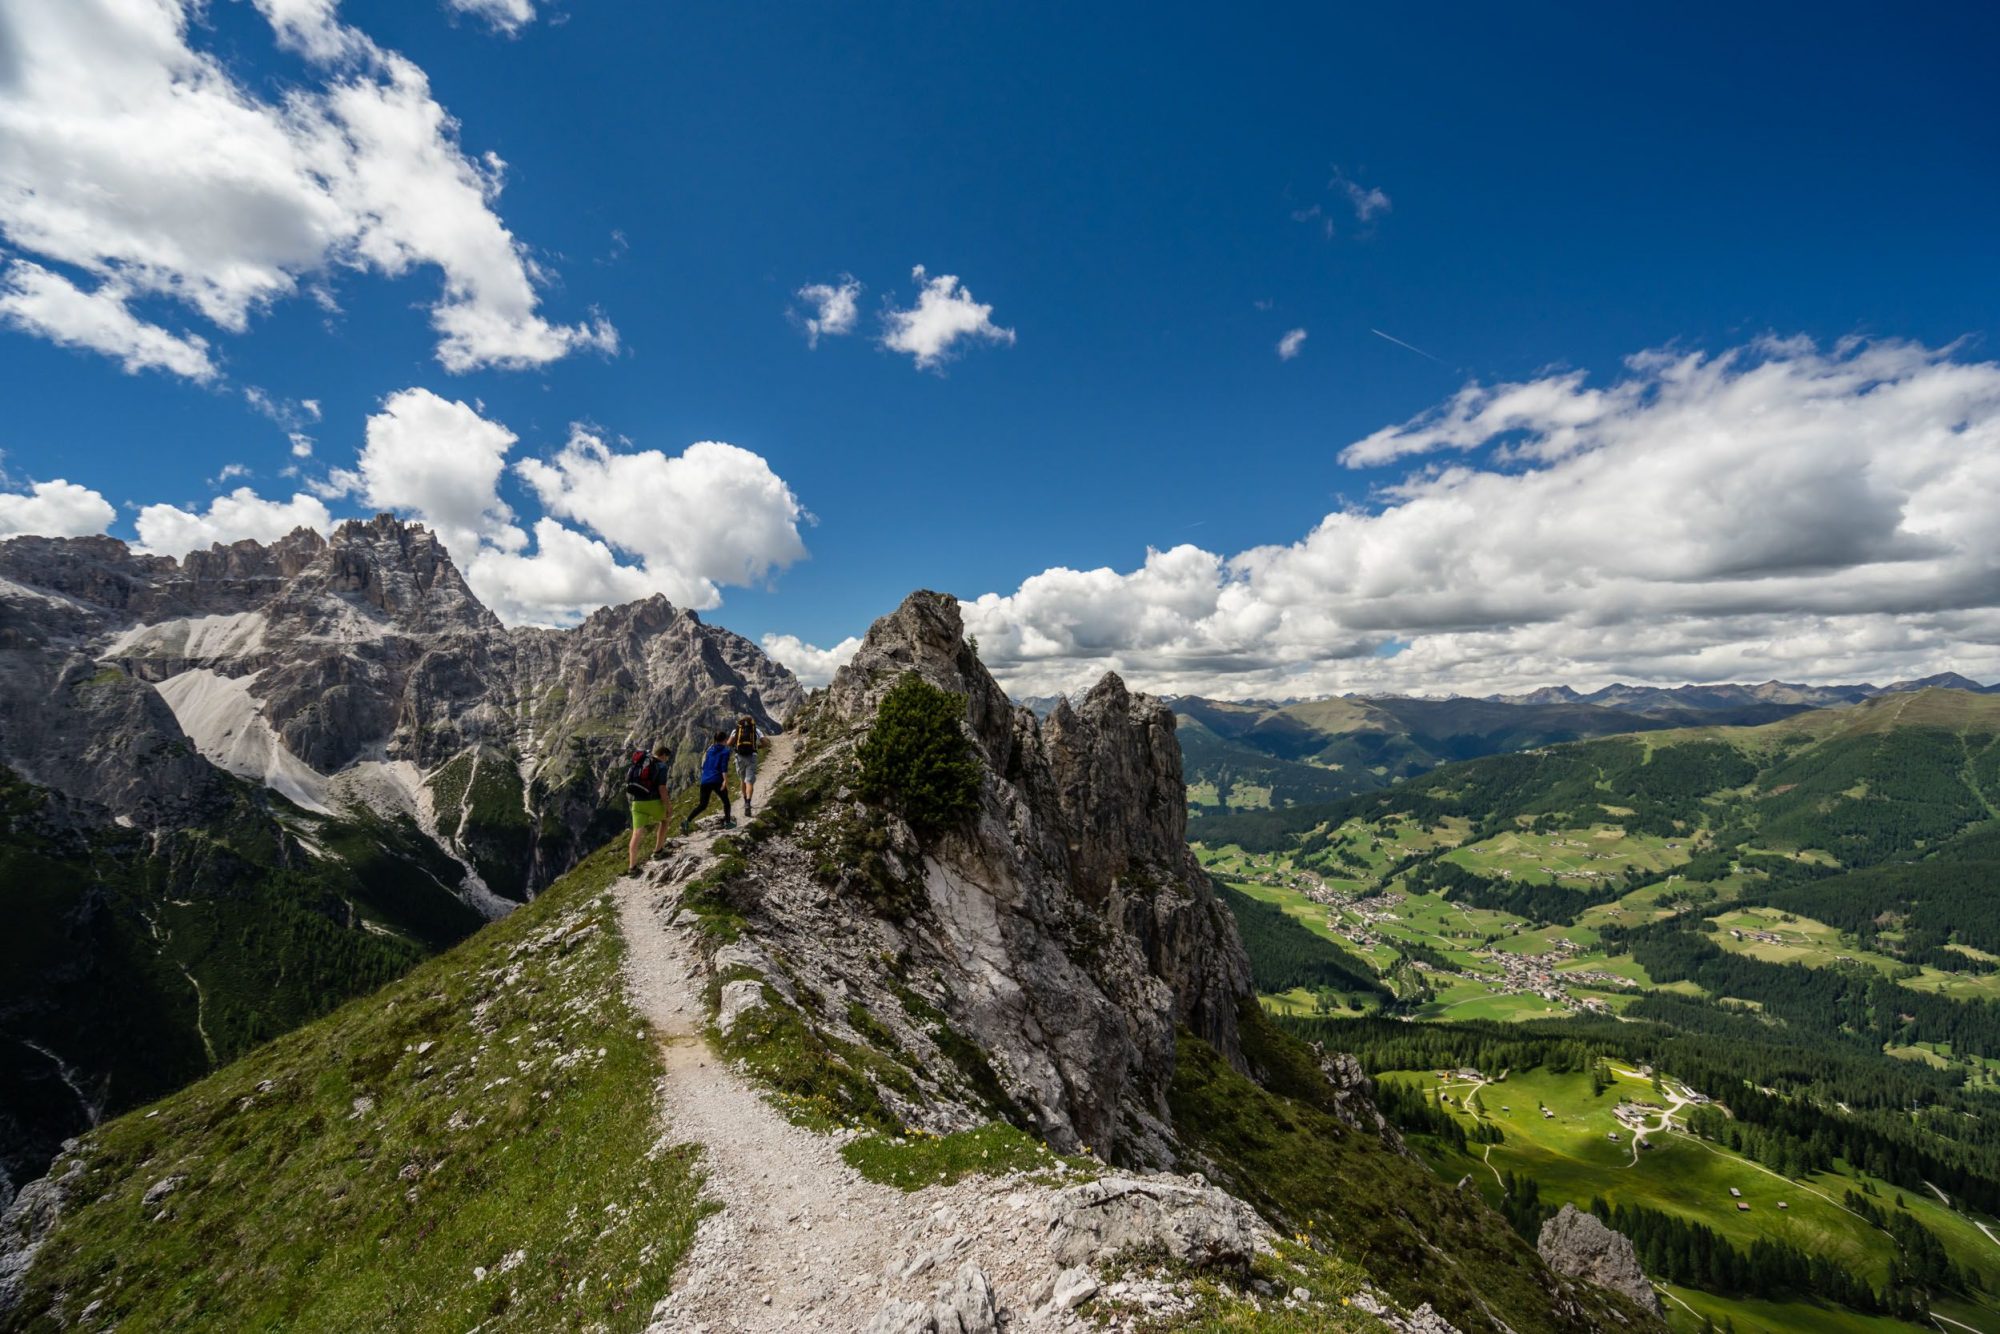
point(1289, 345)
point(835, 308)
point(439, 460)
point(169, 530)
point(813, 666)
point(54, 509)
point(564, 577)
point(142, 164)
point(508, 16)
point(715, 514)
point(945, 315)
point(1776, 510)
point(684, 526)
point(40, 302)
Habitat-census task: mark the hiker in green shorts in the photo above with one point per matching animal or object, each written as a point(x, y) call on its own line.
point(743, 741)
point(646, 785)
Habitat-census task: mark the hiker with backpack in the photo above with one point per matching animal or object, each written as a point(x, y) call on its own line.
point(744, 742)
point(646, 784)
point(714, 782)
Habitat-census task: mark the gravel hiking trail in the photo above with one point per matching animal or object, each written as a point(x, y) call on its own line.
point(800, 1241)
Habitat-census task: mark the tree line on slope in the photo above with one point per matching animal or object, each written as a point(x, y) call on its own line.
point(1841, 998)
point(1285, 954)
point(1829, 1101)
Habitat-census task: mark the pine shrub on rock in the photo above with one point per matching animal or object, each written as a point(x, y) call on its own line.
point(917, 759)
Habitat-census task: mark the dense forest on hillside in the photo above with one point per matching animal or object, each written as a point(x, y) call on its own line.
point(1285, 955)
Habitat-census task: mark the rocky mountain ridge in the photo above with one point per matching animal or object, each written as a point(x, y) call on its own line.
point(1064, 931)
point(356, 669)
point(1727, 696)
point(932, 1003)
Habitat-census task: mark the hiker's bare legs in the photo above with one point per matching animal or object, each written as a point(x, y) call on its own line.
point(632, 849)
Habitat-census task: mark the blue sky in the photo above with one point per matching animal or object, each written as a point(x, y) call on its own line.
point(1143, 196)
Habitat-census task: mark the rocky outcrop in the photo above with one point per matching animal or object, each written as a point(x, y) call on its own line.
point(1186, 1221)
point(1581, 1246)
point(963, 1306)
point(1354, 1094)
point(1045, 950)
point(26, 1223)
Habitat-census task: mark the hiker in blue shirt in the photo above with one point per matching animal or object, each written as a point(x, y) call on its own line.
point(714, 782)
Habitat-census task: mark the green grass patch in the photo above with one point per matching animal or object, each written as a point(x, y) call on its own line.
point(916, 1159)
point(820, 1081)
point(1748, 1315)
point(1574, 1159)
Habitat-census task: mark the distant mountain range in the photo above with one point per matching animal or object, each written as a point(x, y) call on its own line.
point(1648, 699)
point(1250, 754)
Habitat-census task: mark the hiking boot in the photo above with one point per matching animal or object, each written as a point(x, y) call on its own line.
point(687, 826)
point(728, 822)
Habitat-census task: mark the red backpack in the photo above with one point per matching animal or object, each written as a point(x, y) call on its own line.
point(643, 777)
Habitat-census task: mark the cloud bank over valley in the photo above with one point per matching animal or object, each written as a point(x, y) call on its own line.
point(1779, 510)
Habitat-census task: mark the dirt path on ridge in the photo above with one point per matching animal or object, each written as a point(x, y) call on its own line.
point(801, 1241)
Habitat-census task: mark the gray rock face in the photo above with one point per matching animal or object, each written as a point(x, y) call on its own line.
point(1072, 1288)
point(1424, 1320)
point(1581, 1246)
point(738, 999)
point(964, 1305)
point(160, 1189)
point(1062, 933)
point(1100, 1221)
point(1354, 1094)
point(355, 670)
point(26, 1224)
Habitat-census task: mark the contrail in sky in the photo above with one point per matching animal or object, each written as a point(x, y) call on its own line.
point(1400, 343)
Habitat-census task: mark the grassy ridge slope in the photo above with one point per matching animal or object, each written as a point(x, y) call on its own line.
point(455, 1151)
point(143, 962)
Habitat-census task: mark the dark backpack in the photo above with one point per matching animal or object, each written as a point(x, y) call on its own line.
point(746, 736)
point(643, 778)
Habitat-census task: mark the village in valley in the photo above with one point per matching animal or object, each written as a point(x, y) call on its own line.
point(1492, 952)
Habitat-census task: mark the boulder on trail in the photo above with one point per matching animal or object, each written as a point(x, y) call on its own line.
point(738, 999)
point(1581, 1246)
point(1193, 1223)
point(963, 1306)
